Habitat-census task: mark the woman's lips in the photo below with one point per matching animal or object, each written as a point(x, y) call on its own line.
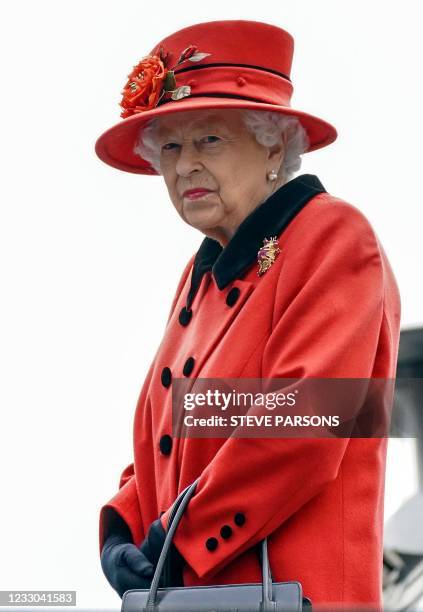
point(195, 194)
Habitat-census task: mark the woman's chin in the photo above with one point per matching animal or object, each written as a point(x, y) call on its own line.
point(201, 221)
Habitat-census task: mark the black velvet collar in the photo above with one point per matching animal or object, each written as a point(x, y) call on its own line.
point(267, 220)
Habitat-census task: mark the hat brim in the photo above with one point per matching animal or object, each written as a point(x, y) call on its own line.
point(115, 146)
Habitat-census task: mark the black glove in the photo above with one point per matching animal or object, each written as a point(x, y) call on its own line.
point(124, 565)
point(152, 547)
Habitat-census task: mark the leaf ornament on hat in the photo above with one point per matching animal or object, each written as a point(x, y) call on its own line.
point(267, 254)
point(151, 80)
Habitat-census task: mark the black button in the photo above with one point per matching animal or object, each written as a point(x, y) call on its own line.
point(165, 444)
point(185, 316)
point(189, 366)
point(211, 544)
point(232, 296)
point(226, 531)
point(239, 519)
point(166, 377)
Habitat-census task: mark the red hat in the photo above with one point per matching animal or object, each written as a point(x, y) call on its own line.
point(217, 64)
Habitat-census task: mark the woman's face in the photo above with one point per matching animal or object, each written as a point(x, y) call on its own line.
point(215, 151)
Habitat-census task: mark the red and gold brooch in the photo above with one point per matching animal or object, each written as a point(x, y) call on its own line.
point(267, 254)
point(151, 80)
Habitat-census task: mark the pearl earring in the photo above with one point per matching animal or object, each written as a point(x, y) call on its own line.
point(272, 175)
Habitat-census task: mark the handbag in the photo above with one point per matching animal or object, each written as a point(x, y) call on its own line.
point(266, 596)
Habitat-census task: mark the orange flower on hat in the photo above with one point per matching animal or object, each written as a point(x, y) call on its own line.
point(150, 80)
point(144, 86)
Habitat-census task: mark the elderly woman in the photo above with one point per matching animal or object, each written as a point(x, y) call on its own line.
point(288, 282)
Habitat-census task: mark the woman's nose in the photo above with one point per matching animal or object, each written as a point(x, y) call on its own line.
point(189, 160)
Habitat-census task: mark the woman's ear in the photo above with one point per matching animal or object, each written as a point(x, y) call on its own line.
point(276, 154)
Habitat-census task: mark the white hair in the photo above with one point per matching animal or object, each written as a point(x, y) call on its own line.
point(268, 127)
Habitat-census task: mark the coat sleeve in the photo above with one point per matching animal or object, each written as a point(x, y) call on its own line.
point(124, 505)
point(327, 316)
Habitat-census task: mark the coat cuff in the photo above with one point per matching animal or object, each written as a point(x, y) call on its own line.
point(125, 503)
point(190, 540)
point(195, 543)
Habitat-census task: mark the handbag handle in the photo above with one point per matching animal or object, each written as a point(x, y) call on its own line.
point(266, 605)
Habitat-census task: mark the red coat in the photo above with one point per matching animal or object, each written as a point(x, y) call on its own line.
point(328, 307)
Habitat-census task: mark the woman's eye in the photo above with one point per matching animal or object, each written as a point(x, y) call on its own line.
point(210, 139)
point(207, 140)
point(169, 145)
